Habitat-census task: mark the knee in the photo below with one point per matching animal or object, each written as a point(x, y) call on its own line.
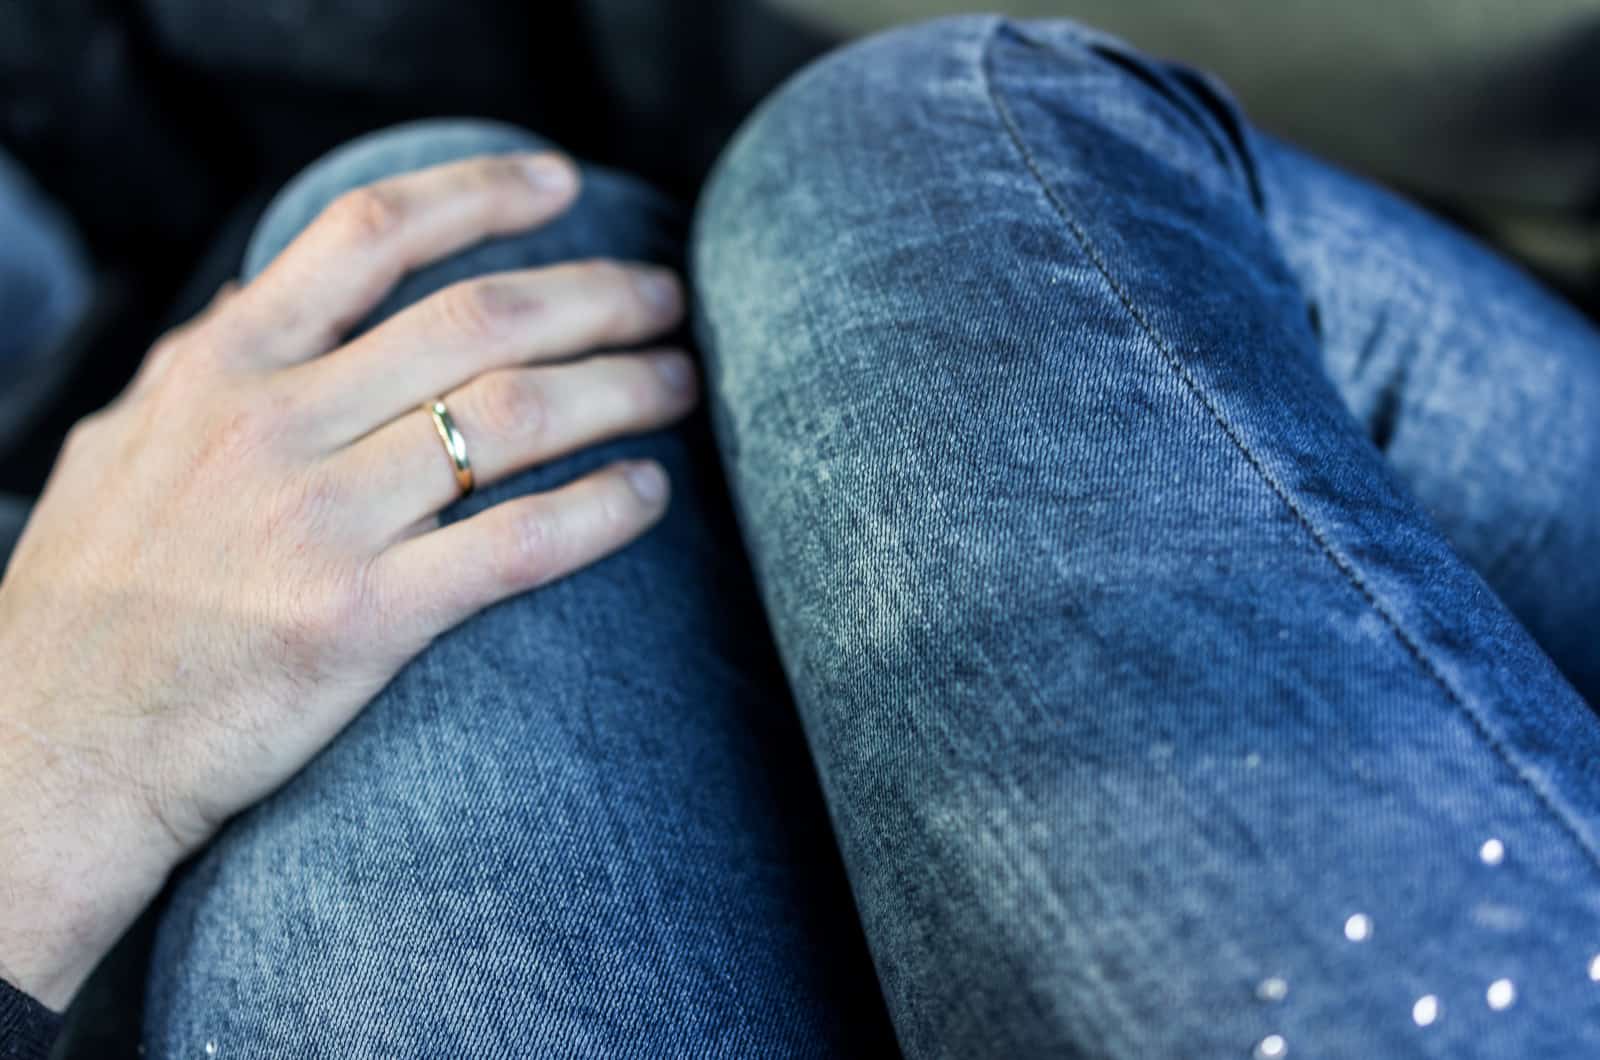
point(615, 215)
point(839, 142)
point(44, 271)
point(869, 102)
point(894, 164)
point(921, 107)
point(370, 158)
point(841, 169)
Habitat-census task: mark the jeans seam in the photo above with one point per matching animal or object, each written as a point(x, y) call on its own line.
point(1343, 565)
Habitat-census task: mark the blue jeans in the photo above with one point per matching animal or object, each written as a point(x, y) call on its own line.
point(1181, 558)
point(45, 288)
point(44, 274)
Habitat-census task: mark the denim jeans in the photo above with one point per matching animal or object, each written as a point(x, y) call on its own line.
point(44, 276)
point(582, 824)
point(1180, 555)
point(45, 288)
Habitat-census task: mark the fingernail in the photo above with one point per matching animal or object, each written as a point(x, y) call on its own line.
point(648, 481)
point(675, 372)
point(659, 288)
point(549, 173)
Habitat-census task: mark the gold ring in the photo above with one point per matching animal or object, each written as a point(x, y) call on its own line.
point(455, 446)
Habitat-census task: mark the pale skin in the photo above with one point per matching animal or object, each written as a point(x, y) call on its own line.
point(236, 555)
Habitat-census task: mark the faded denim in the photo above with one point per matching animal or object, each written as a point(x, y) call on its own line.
point(1170, 544)
point(44, 272)
point(1152, 522)
point(46, 287)
point(581, 824)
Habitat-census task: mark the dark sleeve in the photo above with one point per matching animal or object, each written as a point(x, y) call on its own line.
point(27, 1028)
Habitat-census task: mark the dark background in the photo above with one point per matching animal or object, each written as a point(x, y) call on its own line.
point(163, 126)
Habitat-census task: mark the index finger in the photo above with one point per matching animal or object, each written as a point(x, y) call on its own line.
point(340, 268)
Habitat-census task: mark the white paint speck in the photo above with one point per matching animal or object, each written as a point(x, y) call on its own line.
point(1272, 1047)
point(1272, 988)
point(1502, 994)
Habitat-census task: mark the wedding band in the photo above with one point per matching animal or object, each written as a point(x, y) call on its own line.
point(455, 446)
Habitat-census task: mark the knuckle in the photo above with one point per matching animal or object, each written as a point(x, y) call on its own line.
point(319, 620)
point(617, 510)
point(508, 404)
point(496, 172)
point(610, 291)
point(163, 350)
point(605, 273)
point(367, 215)
point(244, 425)
point(643, 392)
point(81, 434)
point(478, 310)
point(619, 311)
point(630, 509)
point(232, 434)
point(308, 504)
point(183, 354)
point(529, 547)
point(163, 358)
point(343, 611)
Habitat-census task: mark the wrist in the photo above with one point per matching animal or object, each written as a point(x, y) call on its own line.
point(80, 858)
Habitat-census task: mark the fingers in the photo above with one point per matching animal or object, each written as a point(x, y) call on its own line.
point(477, 326)
point(158, 360)
point(342, 265)
point(435, 580)
point(512, 419)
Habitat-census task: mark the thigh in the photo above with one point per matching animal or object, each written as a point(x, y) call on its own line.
point(583, 823)
point(1156, 715)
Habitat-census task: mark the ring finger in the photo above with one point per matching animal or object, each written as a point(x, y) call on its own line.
point(512, 419)
point(476, 326)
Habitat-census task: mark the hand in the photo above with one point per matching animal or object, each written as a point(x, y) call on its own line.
point(237, 554)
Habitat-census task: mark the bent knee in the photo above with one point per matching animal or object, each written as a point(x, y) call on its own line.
point(371, 158)
point(902, 156)
point(615, 216)
point(909, 108)
point(855, 162)
point(842, 134)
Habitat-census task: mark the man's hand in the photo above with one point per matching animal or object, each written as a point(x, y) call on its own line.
point(237, 554)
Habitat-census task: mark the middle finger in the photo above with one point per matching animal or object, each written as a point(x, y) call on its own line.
point(513, 419)
point(477, 326)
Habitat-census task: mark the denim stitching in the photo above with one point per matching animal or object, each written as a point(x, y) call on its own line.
point(1343, 565)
